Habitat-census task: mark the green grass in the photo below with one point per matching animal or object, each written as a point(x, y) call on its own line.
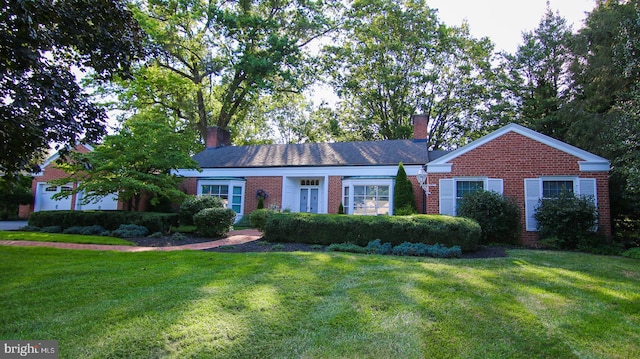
point(188, 304)
point(60, 237)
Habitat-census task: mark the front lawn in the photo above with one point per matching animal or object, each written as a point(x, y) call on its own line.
point(532, 304)
point(61, 237)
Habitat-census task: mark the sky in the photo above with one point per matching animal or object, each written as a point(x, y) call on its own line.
point(503, 21)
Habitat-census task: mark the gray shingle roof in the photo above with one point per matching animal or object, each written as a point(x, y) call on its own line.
point(370, 153)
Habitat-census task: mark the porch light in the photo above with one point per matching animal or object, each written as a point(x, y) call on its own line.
point(422, 179)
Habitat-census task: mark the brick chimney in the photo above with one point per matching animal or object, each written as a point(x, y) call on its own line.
point(217, 137)
point(420, 127)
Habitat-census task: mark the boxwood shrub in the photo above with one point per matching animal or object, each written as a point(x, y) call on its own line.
point(326, 229)
point(109, 220)
point(214, 222)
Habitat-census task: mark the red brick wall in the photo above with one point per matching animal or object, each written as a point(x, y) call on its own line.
point(335, 194)
point(272, 185)
point(513, 158)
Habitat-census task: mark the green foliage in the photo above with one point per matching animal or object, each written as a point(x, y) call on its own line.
point(178, 237)
point(277, 247)
point(385, 71)
point(51, 229)
point(632, 253)
point(43, 102)
point(214, 222)
point(377, 247)
point(345, 247)
point(341, 208)
point(322, 229)
point(136, 163)
point(194, 204)
point(14, 190)
point(260, 203)
point(109, 220)
point(568, 218)
point(404, 201)
point(130, 231)
point(424, 250)
point(498, 216)
point(259, 217)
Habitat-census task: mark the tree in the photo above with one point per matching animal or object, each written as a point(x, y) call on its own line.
point(396, 59)
point(222, 56)
point(539, 75)
point(135, 163)
point(41, 41)
point(13, 192)
point(404, 201)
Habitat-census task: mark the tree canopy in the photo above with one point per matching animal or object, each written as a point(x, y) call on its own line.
point(41, 43)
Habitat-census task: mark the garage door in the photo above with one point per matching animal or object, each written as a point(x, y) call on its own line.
point(44, 202)
point(106, 203)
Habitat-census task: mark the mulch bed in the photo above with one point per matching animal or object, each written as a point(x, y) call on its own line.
point(263, 246)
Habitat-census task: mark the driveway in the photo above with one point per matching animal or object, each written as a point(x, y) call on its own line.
point(11, 225)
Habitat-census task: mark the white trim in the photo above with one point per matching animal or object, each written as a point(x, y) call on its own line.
point(351, 182)
point(298, 171)
point(230, 182)
point(589, 163)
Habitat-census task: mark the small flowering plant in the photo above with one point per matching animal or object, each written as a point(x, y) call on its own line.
point(261, 194)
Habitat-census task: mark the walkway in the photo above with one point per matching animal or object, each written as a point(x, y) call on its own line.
point(235, 237)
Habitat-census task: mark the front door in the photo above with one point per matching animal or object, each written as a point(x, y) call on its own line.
point(309, 200)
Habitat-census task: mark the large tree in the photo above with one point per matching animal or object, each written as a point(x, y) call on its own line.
point(397, 59)
point(136, 163)
point(41, 42)
point(221, 56)
point(539, 75)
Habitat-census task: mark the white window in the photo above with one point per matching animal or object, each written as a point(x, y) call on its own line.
point(368, 196)
point(452, 190)
point(550, 187)
point(230, 191)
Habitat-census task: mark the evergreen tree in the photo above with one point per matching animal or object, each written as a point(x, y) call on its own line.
point(404, 202)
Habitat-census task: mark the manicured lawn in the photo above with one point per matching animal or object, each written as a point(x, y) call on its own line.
point(532, 304)
point(60, 237)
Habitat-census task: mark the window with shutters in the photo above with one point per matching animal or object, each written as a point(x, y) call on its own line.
point(536, 189)
point(453, 190)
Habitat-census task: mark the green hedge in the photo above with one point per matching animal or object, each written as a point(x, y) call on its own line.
point(326, 229)
point(214, 222)
point(109, 220)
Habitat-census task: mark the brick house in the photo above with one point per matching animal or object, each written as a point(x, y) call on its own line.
point(318, 177)
point(43, 191)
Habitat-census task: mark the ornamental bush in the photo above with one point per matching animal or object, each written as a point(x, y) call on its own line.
point(214, 222)
point(404, 201)
point(568, 219)
point(130, 231)
point(258, 218)
point(326, 229)
point(195, 204)
point(108, 220)
point(498, 216)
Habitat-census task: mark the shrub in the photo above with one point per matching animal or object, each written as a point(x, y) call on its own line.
point(341, 208)
point(632, 253)
point(569, 218)
point(73, 230)
point(156, 235)
point(422, 250)
point(214, 222)
point(498, 216)
point(130, 231)
point(277, 247)
point(345, 247)
point(195, 204)
point(260, 203)
point(96, 230)
point(109, 220)
point(377, 247)
point(258, 218)
point(178, 237)
point(323, 229)
point(51, 229)
point(30, 229)
point(404, 201)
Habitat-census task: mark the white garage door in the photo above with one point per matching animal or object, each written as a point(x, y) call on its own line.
point(44, 202)
point(106, 203)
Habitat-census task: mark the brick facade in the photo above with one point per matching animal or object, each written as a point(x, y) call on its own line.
point(514, 157)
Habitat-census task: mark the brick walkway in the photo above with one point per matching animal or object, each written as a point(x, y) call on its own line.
point(235, 237)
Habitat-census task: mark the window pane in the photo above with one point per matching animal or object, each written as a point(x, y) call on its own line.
point(552, 189)
point(236, 208)
point(237, 190)
point(358, 190)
